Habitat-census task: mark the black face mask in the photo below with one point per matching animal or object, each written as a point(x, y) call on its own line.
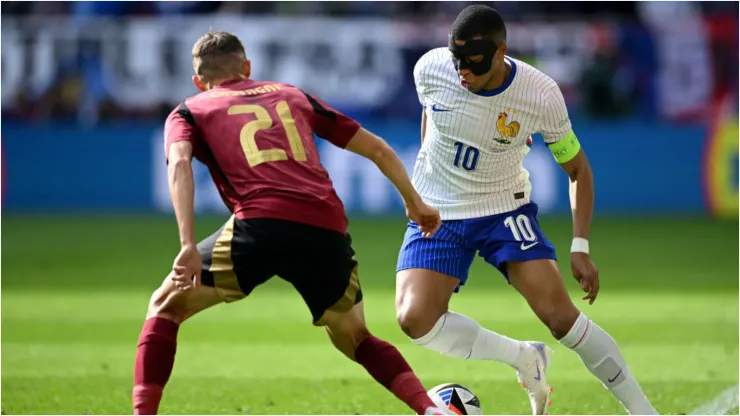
point(483, 47)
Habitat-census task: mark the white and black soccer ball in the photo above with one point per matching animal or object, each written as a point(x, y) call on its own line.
point(459, 399)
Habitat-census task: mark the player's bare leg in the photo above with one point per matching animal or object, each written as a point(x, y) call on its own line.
point(348, 332)
point(541, 284)
point(422, 298)
point(155, 357)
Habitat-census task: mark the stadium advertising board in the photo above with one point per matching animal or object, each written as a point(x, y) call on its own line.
point(121, 168)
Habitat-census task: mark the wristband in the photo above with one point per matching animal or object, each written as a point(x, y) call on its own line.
point(580, 245)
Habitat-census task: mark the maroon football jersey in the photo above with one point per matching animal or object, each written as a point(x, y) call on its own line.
point(257, 139)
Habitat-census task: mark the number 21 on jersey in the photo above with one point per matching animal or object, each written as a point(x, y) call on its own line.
point(263, 121)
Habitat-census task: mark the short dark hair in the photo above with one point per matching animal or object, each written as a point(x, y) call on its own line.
point(218, 54)
point(479, 20)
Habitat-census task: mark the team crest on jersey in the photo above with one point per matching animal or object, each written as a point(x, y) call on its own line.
point(507, 130)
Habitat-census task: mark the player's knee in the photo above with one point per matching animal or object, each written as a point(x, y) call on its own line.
point(168, 302)
point(416, 321)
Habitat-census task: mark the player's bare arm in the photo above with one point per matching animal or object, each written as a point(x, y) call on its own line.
point(180, 176)
point(423, 124)
point(376, 149)
point(187, 265)
point(582, 206)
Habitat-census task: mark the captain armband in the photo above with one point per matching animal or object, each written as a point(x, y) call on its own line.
point(566, 148)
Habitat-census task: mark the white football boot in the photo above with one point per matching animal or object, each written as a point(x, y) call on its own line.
point(532, 375)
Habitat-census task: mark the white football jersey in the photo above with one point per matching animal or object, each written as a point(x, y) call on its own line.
point(471, 162)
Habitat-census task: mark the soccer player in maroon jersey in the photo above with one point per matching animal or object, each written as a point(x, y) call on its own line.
point(257, 139)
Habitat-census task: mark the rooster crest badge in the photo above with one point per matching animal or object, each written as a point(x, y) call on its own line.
point(507, 130)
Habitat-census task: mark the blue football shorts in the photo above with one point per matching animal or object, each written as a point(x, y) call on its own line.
point(511, 236)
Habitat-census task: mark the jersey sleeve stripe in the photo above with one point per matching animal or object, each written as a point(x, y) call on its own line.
point(184, 112)
point(318, 108)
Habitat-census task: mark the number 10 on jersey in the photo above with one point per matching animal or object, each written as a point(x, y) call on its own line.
point(469, 157)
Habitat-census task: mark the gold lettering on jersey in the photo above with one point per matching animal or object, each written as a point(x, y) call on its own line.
point(252, 91)
point(507, 130)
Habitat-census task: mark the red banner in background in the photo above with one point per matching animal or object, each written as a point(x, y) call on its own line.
point(723, 35)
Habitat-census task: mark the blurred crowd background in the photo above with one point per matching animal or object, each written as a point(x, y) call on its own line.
point(613, 58)
point(653, 82)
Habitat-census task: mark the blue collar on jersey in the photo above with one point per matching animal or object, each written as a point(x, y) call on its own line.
point(504, 86)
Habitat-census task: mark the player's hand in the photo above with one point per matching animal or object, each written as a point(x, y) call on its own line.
point(187, 268)
point(427, 217)
point(587, 275)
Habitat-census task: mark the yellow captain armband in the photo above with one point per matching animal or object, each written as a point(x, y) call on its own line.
point(566, 148)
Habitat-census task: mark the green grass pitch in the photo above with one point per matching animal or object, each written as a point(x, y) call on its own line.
point(75, 290)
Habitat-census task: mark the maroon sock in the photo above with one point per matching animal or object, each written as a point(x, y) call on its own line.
point(388, 367)
point(154, 360)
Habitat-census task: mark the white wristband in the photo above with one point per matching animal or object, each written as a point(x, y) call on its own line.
point(580, 245)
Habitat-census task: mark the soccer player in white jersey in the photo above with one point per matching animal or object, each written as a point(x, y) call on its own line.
point(480, 109)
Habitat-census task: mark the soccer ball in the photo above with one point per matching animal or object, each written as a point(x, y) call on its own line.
point(459, 399)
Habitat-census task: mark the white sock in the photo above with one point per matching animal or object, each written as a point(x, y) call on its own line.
point(459, 336)
point(600, 354)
